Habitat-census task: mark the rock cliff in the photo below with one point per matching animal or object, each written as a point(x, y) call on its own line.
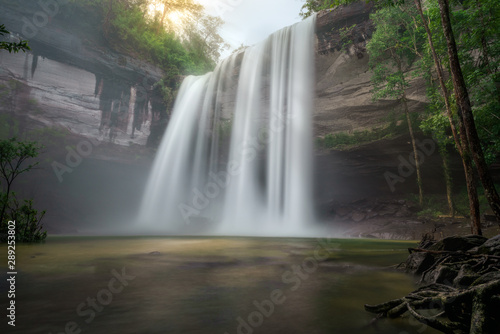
point(72, 78)
point(74, 83)
point(344, 100)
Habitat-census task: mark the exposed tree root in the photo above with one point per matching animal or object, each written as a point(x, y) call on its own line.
point(454, 307)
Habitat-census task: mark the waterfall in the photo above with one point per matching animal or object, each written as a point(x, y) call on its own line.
point(236, 156)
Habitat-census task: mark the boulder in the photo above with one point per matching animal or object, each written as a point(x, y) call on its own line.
point(466, 276)
point(441, 275)
point(457, 243)
point(417, 263)
point(491, 246)
point(486, 278)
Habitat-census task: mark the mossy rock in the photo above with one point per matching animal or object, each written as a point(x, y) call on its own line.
point(491, 246)
point(457, 243)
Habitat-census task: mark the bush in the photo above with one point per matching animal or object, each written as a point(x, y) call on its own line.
point(14, 156)
point(342, 139)
point(28, 222)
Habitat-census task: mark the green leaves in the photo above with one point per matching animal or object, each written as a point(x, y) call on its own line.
point(393, 49)
point(13, 162)
point(12, 46)
point(13, 154)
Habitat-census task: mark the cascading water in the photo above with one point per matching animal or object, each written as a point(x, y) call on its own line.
point(236, 156)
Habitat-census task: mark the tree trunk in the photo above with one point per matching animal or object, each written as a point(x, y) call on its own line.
point(162, 20)
point(465, 110)
point(415, 152)
point(448, 180)
point(412, 136)
point(461, 142)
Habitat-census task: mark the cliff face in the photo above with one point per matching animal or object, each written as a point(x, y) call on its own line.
point(73, 80)
point(344, 100)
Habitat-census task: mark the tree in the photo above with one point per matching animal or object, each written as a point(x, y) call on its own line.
point(474, 71)
point(393, 50)
point(314, 6)
point(461, 142)
point(203, 38)
point(465, 111)
point(14, 157)
point(15, 47)
point(172, 14)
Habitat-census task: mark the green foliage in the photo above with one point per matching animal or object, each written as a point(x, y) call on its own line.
point(203, 38)
point(432, 205)
point(14, 157)
point(313, 6)
point(462, 201)
point(28, 221)
point(393, 49)
point(342, 140)
point(346, 36)
point(12, 46)
point(130, 27)
point(436, 205)
point(476, 26)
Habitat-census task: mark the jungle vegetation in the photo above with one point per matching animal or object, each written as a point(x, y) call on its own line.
point(454, 45)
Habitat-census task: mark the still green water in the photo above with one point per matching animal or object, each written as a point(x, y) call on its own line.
point(206, 285)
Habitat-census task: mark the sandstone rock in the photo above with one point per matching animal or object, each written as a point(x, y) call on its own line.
point(343, 211)
point(388, 210)
point(403, 212)
point(358, 216)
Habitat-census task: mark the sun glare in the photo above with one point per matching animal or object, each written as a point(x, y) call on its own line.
point(175, 20)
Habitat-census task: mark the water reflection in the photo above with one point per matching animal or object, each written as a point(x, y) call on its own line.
point(208, 285)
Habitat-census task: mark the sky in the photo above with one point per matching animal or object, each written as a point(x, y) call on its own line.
point(251, 21)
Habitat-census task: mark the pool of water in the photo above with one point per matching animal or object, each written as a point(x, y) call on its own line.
point(206, 285)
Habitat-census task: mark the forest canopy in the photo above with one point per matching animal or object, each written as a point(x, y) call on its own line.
point(454, 47)
point(177, 35)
